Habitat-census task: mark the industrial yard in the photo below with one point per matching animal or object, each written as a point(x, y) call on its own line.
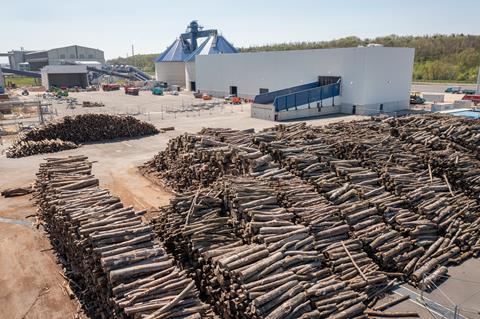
point(258, 179)
point(118, 167)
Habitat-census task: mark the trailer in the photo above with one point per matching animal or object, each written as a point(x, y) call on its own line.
point(475, 98)
point(130, 90)
point(110, 87)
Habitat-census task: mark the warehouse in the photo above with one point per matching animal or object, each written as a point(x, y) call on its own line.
point(35, 60)
point(304, 83)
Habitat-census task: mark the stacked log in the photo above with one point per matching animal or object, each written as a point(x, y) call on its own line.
point(349, 186)
point(92, 128)
point(309, 209)
point(117, 268)
point(24, 148)
point(72, 131)
point(192, 161)
point(311, 189)
point(352, 264)
point(264, 279)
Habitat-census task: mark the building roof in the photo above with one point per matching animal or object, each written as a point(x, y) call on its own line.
point(185, 47)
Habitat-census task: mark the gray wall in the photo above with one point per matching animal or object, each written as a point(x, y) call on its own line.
point(75, 53)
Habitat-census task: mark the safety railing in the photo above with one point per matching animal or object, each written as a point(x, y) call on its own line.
point(306, 97)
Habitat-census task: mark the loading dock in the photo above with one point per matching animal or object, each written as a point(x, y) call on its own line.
point(64, 76)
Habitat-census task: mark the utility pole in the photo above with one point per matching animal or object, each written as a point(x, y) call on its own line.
point(133, 52)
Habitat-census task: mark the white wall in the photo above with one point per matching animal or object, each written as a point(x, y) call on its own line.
point(189, 74)
point(171, 72)
point(370, 75)
point(58, 69)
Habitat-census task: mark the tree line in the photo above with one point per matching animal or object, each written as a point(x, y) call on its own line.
point(454, 57)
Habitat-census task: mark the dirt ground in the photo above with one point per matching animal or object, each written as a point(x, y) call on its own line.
point(31, 284)
point(26, 264)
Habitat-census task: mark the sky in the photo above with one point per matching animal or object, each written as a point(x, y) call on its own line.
point(113, 26)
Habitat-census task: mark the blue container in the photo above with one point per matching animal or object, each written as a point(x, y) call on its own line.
point(2, 90)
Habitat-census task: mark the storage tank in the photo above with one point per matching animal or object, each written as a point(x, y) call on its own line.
point(176, 65)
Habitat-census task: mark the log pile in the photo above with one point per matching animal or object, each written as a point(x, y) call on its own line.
point(72, 131)
point(24, 148)
point(349, 204)
point(117, 268)
point(279, 275)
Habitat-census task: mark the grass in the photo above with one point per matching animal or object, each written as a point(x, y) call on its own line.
point(22, 81)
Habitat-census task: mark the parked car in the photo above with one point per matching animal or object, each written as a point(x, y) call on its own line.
point(469, 91)
point(453, 89)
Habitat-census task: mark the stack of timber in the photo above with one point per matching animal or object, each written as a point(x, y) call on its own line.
point(305, 191)
point(432, 195)
point(24, 148)
point(72, 131)
point(352, 189)
point(191, 161)
point(271, 278)
point(118, 269)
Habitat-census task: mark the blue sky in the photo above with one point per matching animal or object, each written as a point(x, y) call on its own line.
point(114, 26)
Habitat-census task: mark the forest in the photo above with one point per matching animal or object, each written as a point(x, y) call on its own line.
point(453, 57)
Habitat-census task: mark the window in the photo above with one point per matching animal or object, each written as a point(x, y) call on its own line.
point(233, 90)
point(381, 107)
point(193, 86)
point(263, 91)
point(72, 56)
point(82, 56)
point(62, 56)
point(354, 109)
point(90, 56)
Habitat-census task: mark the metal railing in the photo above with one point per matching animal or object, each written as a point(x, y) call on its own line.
point(306, 97)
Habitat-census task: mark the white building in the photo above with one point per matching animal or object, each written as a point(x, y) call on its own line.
point(372, 79)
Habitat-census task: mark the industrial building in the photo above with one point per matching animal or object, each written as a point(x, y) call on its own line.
point(176, 65)
point(36, 60)
point(64, 76)
point(304, 83)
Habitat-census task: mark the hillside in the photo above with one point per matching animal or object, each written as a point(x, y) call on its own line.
point(453, 57)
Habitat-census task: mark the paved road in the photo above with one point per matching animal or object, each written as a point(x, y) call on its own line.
point(439, 88)
point(434, 307)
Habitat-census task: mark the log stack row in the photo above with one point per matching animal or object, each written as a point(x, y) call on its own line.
point(353, 203)
point(278, 275)
point(117, 269)
point(431, 194)
point(72, 131)
point(27, 148)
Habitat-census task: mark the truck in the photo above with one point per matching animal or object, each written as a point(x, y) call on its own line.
point(130, 90)
point(416, 99)
point(475, 98)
